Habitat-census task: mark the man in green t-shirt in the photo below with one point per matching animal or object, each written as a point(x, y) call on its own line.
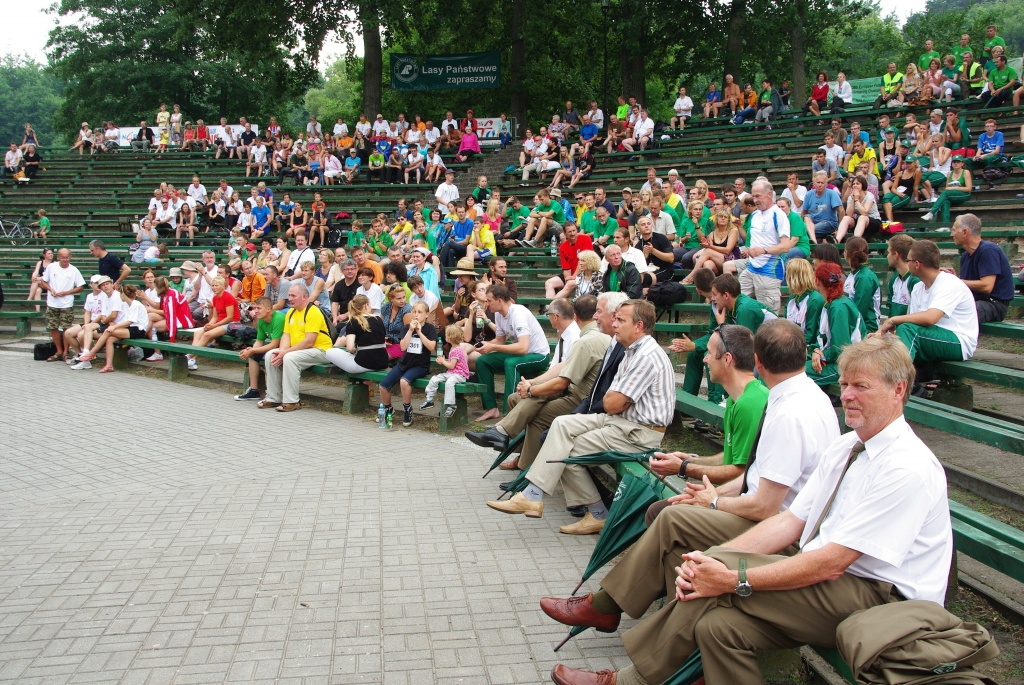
point(269, 328)
point(1001, 82)
point(516, 214)
point(901, 281)
point(992, 40)
point(959, 50)
point(730, 360)
point(928, 55)
point(547, 217)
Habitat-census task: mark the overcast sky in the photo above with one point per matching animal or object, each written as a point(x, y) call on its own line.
point(31, 26)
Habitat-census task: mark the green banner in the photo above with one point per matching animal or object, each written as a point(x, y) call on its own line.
point(446, 72)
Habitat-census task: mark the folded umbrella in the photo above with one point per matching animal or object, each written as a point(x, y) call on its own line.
point(624, 526)
point(689, 673)
point(507, 452)
point(517, 484)
point(606, 457)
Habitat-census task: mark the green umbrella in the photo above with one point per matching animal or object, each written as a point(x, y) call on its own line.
point(517, 484)
point(606, 457)
point(624, 525)
point(689, 673)
point(507, 452)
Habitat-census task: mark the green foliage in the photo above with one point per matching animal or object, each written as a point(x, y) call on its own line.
point(124, 57)
point(335, 97)
point(28, 94)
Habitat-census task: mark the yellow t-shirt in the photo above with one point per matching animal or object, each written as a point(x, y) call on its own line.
point(298, 323)
point(484, 239)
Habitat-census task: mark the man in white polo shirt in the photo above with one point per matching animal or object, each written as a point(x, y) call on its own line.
point(446, 192)
point(942, 321)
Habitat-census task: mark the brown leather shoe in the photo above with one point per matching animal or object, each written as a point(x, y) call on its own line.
point(588, 525)
point(519, 505)
point(511, 465)
point(267, 404)
point(563, 675)
point(290, 407)
point(578, 611)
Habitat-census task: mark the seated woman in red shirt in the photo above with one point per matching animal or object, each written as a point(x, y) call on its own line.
point(819, 95)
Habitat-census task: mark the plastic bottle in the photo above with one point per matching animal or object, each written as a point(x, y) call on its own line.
point(380, 417)
point(389, 417)
point(554, 246)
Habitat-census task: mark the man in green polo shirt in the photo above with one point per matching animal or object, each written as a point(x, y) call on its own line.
point(730, 361)
point(269, 329)
point(547, 217)
point(600, 227)
point(1001, 81)
point(928, 55)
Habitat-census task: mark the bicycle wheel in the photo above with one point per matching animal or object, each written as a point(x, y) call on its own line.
point(20, 235)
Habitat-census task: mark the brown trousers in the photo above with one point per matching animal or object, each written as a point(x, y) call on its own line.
point(647, 571)
point(534, 415)
point(728, 629)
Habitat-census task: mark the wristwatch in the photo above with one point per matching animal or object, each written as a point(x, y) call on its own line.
point(714, 504)
point(682, 468)
point(743, 588)
point(528, 391)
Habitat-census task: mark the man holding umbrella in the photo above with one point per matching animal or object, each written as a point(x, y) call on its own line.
point(801, 424)
point(638, 407)
point(561, 388)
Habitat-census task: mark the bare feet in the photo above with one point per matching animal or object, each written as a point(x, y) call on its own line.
point(490, 414)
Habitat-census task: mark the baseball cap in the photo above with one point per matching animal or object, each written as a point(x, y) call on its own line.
point(627, 189)
point(95, 278)
point(100, 280)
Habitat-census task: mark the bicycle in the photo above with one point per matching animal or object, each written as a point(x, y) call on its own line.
point(14, 231)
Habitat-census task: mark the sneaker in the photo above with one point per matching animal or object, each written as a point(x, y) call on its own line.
point(944, 229)
point(932, 199)
point(72, 361)
point(991, 186)
point(192, 366)
point(530, 243)
point(249, 394)
point(155, 357)
point(407, 415)
point(427, 404)
point(449, 411)
point(81, 366)
point(928, 217)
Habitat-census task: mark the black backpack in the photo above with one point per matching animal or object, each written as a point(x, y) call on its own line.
point(665, 295)
point(334, 237)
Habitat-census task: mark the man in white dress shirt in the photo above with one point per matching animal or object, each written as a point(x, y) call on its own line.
point(873, 527)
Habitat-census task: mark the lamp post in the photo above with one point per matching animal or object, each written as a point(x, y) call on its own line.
point(605, 6)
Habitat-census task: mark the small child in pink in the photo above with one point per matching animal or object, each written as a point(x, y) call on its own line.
point(458, 371)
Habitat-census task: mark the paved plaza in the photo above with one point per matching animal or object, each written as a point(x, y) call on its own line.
point(152, 532)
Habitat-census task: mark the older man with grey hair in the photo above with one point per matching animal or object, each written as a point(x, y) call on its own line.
point(768, 241)
point(304, 343)
point(984, 268)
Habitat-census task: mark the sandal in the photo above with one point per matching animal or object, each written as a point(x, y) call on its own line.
point(55, 358)
point(108, 369)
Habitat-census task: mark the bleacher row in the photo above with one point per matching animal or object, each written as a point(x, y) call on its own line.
point(85, 197)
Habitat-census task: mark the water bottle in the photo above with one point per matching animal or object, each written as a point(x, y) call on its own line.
point(380, 417)
point(389, 417)
point(554, 246)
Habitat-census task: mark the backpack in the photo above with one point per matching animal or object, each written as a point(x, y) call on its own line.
point(665, 295)
point(334, 237)
point(995, 173)
point(331, 331)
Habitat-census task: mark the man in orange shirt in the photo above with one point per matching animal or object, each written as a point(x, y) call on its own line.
point(253, 283)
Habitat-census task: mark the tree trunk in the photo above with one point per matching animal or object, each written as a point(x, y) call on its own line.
point(373, 60)
point(797, 42)
point(733, 61)
point(634, 76)
point(518, 105)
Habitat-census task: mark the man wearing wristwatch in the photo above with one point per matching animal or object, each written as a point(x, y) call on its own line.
point(800, 423)
point(872, 524)
point(730, 360)
point(538, 401)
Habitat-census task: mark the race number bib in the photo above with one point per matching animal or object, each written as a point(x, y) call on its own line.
point(415, 346)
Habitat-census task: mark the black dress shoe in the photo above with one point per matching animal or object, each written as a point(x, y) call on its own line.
point(504, 486)
point(578, 512)
point(491, 437)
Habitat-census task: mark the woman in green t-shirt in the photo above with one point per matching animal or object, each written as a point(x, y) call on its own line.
point(805, 302)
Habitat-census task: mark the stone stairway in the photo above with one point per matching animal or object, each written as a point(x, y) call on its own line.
point(492, 165)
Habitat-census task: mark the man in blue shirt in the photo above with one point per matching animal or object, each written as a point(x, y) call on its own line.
point(588, 135)
point(822, 208)
point(352, 163)
point(984, 268)
point(455, 246)
point(260, 219)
